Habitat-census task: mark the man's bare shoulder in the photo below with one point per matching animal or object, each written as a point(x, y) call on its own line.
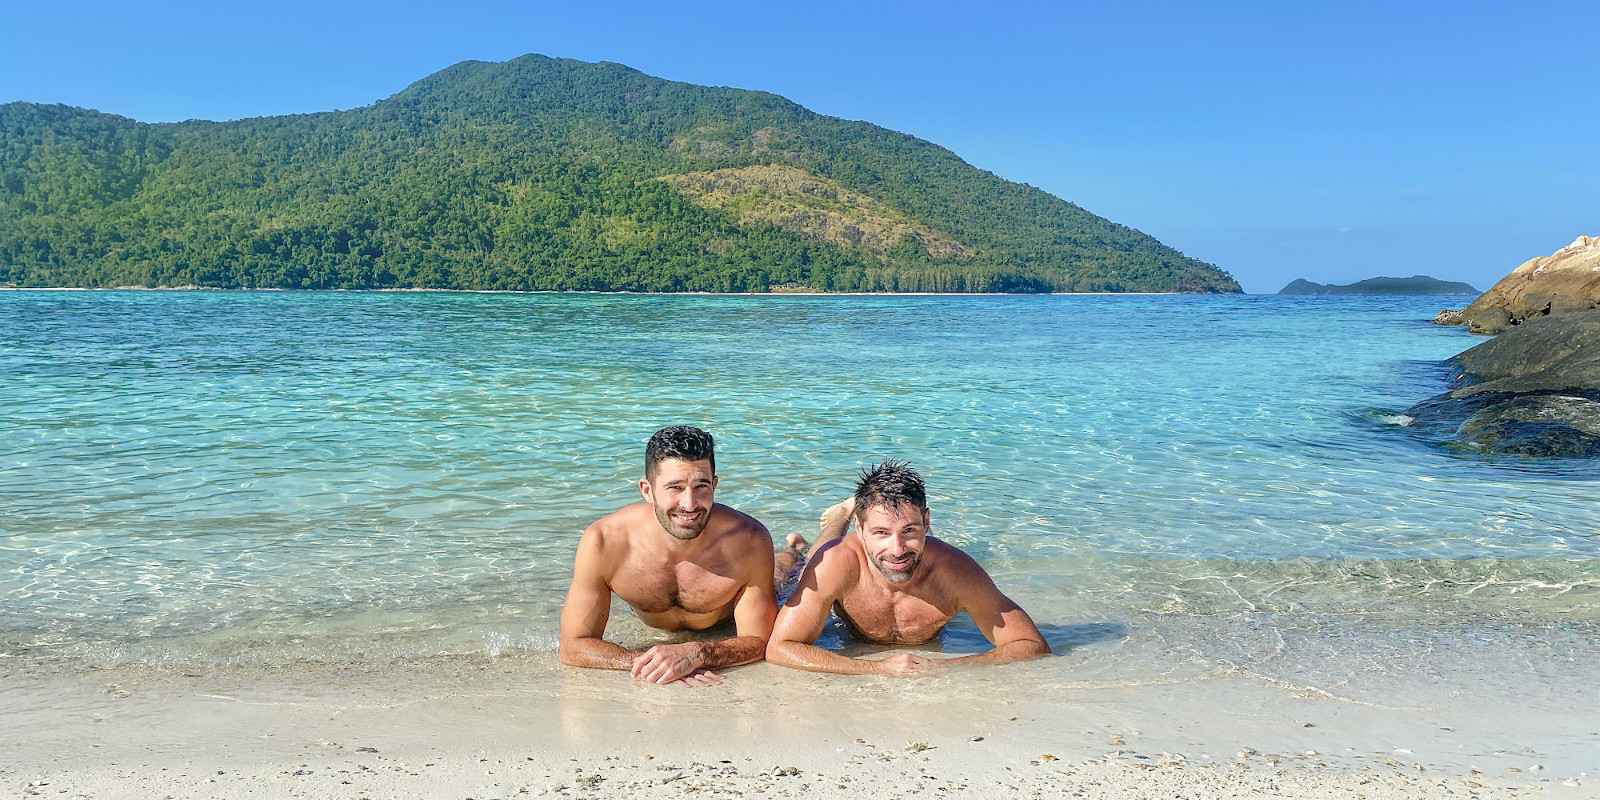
point(740, 530)
point(613, 530)
point(837, 560)
point(952, 564)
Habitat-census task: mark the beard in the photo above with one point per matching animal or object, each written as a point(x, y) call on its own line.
point(680, 531)
point(901, 573)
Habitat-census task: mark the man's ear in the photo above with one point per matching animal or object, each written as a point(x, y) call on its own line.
point(644, 489)
point(926, 517)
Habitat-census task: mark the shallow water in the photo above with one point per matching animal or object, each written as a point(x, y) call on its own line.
point(272, 477)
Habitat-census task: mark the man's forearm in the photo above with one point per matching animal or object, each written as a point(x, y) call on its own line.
point(733, 652)
point(1020, 650)
point(595, 653)
point(812, 658)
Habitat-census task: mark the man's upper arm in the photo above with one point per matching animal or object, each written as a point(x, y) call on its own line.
point(588, 604)
point(757, 605)
point(999, 619)
point(806, 612)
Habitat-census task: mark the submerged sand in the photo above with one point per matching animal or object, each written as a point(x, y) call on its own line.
point(522, 726)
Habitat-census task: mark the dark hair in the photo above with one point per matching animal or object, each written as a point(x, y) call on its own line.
point(678, 441)
point(889, 484)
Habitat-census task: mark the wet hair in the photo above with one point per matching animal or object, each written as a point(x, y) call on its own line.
point(889, 484)
point(678, 441)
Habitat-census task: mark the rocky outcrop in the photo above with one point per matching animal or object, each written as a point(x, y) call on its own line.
point(1564, 282)
point(1532, 391)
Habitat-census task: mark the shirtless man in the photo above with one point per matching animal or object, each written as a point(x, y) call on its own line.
point(892, 583)
point(683, 562)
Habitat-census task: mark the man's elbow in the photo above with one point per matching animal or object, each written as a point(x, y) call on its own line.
point(778, 652)
point(1031, 648)
point(567, 653)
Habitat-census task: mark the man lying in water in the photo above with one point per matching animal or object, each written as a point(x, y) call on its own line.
point(892, 583)
point(683, 562)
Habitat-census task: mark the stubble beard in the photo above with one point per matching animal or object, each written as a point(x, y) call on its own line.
point(678, 532)
point(901, 575)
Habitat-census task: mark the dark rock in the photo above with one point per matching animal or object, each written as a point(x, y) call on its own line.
point(1536, 425)
point(1550, 354)
point(1532, 391)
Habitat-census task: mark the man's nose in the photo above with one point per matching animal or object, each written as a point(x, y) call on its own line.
point(686, 501)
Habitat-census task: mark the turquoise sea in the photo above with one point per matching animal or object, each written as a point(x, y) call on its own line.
point(1165, 482)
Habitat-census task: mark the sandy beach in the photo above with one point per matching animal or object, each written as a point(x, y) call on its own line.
point(521, 726)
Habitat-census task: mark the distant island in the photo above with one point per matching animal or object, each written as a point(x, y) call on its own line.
point(543, 174)
point(1416, 284)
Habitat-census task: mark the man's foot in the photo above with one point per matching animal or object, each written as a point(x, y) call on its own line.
point(834, 522)
point(786, 561)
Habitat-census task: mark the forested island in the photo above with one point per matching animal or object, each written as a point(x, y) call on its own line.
point(543, 174)
point(1416, 284)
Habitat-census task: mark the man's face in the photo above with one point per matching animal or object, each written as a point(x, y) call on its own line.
point(893, 537)
point(681, 493)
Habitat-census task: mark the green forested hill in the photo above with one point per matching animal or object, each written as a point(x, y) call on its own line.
point(542, 173)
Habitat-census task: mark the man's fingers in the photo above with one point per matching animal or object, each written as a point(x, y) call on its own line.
point(702, 678)
point(647, 661)
point(661, 673)
point(677, 668)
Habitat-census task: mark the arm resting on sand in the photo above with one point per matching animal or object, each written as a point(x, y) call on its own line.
point(586, 611)
point(1020, 650)
point(811, 658)
point(1001, 621)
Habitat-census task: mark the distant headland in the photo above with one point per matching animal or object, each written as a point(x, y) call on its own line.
point(1416, 284)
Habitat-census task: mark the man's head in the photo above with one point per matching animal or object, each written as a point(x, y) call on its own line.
point(680, 479)
point(892, 517)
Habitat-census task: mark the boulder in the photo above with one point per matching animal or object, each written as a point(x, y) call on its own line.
point(1535, 425)
point(1531, 391)
point(1449, 316)
point(1552, 354)
point(1488, 321)
point(1564, 282)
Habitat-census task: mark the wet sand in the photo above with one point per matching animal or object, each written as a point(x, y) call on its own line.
point(521, 726)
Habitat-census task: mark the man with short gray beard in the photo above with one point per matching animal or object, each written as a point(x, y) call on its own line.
point(892, 583)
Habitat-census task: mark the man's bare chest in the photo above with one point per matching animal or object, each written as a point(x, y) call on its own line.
point(658, 587)
point(894, 617)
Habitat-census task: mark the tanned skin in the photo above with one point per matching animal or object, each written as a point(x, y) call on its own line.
point(683, 562)
point(892, 583)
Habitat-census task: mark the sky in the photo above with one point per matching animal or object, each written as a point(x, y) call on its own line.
point(1276, 140)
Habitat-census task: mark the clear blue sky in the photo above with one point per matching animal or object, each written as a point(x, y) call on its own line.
point(1333, 143)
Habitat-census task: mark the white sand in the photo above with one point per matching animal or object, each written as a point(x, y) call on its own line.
point(524, 727)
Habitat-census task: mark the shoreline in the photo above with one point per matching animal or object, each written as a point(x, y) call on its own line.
point(601, 292)
point(524, 726)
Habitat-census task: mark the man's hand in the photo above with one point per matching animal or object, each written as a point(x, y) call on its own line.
point(666, 663)
point(903, 664)
point(700, 678)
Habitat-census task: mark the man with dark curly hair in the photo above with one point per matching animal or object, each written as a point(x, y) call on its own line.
point(892, 583)
point(683, 562)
